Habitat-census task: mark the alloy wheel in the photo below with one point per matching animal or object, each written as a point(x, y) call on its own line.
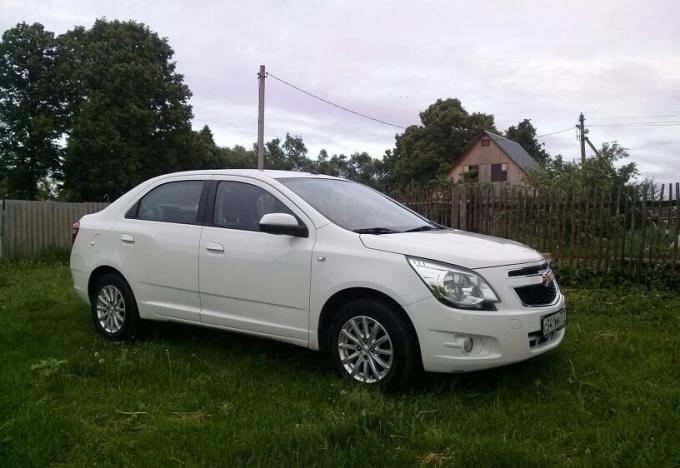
point(365, 349)
point(110, 309)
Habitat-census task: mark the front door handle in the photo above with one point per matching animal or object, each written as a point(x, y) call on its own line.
point(127, 238)
point(214, 247)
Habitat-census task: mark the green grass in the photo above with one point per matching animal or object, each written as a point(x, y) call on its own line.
point(609, 396)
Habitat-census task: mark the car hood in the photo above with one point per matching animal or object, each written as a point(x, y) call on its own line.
point(461, 248)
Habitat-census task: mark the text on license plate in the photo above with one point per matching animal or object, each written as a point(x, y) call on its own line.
point(553, 322)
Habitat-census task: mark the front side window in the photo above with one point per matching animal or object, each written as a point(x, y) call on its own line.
point(355, 207)
point(174, 202)
point(239, 205)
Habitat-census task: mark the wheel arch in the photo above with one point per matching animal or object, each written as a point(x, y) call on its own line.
point(341, 297)
point(98, 273)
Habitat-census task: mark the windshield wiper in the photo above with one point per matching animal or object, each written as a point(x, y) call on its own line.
point(375, 230)
point(423, 228)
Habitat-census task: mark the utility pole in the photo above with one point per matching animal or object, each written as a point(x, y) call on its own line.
point(260, 120)
point(582, 135)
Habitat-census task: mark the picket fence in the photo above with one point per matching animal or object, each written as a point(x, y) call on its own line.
point(632, 229)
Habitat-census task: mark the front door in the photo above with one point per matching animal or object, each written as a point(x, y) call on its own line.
point(251, 280)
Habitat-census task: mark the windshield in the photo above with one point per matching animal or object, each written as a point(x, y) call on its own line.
point(356, 207)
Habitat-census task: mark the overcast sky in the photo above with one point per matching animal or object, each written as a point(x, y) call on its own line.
point(617, 61)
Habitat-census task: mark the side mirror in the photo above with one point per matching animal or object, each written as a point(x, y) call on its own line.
point(283, 223)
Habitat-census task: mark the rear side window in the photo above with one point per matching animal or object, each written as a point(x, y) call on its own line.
point(174, 202)
point(241, 206)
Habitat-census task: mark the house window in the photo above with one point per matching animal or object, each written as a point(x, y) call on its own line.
point(471, 172)
point(499, 173)
point(486, 141)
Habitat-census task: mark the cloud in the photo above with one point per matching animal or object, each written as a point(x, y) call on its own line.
point(391, 59)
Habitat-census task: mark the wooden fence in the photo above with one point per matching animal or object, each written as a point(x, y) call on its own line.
point(631, 229)
point(26, 227)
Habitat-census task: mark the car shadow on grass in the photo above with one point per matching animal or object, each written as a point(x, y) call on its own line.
point(518, 376)
point(233, 345)
point(523, 375)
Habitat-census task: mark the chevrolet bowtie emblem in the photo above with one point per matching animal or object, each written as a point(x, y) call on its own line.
point(547, 277)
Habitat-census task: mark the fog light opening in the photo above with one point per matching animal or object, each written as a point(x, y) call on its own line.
point(468, 344)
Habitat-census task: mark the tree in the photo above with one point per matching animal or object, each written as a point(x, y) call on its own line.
point(365, 169)
point(291, 155)
point(204, 152)
point(31, 110)
point(238, 158)
point(524, 133)
point(295, 152)
point(131, 119)
point(601, 170)
point(424, 153)
point(335, 166)
point(274, 158)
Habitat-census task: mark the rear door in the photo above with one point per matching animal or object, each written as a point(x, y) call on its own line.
point(158, 247)
point(251, 280)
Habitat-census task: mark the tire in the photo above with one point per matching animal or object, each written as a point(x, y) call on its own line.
point(114, 309)
point(374, 320)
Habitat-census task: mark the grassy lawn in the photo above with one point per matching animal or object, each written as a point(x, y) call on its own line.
point(609, 396)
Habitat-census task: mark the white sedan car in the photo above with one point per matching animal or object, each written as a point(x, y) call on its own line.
point(319, 262)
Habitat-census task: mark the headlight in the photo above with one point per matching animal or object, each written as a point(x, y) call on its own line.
point(455, 286)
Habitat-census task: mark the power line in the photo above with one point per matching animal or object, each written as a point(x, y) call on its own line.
point(639, 124)
point(636, 116)
point(555, 132)
point(617, 125)
point(334, 104)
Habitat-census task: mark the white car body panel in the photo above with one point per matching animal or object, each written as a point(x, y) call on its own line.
point(276, 286)
point(257, 281)
point(456, 247)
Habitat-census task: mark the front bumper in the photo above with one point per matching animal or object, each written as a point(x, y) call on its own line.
point(499, 337)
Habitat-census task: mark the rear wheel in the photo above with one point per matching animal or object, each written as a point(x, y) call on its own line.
point(372, 344)
point(114, 309)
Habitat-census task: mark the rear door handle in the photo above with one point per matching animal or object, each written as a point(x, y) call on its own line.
point(127, 238)
point(214, 247)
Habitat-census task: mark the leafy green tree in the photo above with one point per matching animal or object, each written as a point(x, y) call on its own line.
point(424, 153)
point(524, 133)
point(334, 166)
point(291, 155)
point(365, 169)
point(295, 152)
point(131, 119)
point(32, 112)
point(3, 183)
point(238, 157)
point(204, 152)
point(274, 157)
point(602, 170)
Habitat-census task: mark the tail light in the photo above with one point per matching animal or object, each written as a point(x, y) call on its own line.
point(74, 231)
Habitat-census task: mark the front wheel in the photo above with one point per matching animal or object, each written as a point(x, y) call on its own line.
point(372, 344)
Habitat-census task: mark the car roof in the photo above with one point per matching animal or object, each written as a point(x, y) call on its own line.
point(255, 173)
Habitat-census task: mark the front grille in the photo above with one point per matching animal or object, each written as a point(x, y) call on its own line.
point(537, 294)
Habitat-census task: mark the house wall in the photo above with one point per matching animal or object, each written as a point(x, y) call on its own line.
point(484, 157)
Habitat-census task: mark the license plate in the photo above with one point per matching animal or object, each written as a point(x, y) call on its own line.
point(553, 322)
